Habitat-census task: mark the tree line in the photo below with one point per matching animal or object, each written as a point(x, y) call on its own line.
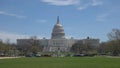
point(110, 47)
point(8, 49)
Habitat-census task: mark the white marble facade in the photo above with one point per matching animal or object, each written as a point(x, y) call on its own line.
point(55, 45)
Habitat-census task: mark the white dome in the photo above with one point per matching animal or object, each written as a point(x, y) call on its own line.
point(58, 31)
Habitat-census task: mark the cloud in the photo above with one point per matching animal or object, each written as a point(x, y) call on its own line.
point(102, 17)
point(96, 2)
point(82, 7)
point(61, 2)
point(11, 14)
point(90, 3)
point(80, 4)
point(12, 36)
point(41, 21)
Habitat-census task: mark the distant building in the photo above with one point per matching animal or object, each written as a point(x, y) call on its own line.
point(92, 42)
point(58, 42)
point(27, 42)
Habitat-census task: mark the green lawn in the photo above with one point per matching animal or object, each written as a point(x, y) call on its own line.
point(66, 62)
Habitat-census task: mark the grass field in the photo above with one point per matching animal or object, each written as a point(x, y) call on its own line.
point(66, 62)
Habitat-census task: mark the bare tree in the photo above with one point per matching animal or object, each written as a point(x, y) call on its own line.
point(114, 35)
point(113, 45)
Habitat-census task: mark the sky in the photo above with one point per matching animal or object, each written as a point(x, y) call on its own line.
point(80, 18)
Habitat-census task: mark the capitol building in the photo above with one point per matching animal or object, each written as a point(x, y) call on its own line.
point(58, 41)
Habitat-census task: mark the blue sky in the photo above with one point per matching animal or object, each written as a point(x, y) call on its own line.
point(80, 18)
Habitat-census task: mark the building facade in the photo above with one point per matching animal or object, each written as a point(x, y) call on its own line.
point(58, 41)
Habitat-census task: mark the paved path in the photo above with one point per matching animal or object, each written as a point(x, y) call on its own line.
point(8, 57)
